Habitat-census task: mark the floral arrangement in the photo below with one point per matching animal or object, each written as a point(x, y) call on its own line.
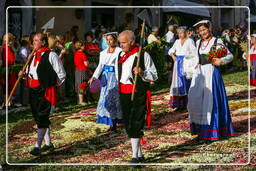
point(83, 87)
point(156, 50)
point(244, 46)
point(216, 53)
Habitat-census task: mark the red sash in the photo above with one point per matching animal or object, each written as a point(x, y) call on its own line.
point(50, 92)
point(134, 50)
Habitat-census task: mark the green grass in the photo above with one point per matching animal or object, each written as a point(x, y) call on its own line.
point(240, 77)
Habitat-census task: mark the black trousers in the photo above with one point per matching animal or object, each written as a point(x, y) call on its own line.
point(134, 113)
point(40, 107)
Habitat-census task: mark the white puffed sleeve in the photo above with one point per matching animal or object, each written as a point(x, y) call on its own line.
point(150, 72)
point(229, 57)
point(57, 67)
point(173, 48)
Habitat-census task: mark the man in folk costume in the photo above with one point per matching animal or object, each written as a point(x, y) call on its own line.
point(134, 111)
point(43, 74)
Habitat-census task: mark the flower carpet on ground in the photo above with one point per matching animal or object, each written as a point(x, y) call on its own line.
point(78, 139)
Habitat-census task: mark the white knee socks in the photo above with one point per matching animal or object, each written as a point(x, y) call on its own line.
point(47, 137)
point(40, 137)
point(139, 151)
point(136, 151)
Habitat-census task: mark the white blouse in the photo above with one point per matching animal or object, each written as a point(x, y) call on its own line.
point(106, 59)
point(253, 50)
point(186, 49)
point(204, 49)
point(56, 64)
point(150, 72)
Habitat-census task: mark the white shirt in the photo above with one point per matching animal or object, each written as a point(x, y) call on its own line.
point(56, 64)
point(106, 59)
point(186, 49)
point(150, 73)
point(151, 38)
point(253, 50)
point(170, 37)
point(204, 49)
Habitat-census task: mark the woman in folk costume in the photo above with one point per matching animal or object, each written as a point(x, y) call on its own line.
point(253, 60)
point(207, 100)
point(8, 57)
point(108, 109)
point(182, 48)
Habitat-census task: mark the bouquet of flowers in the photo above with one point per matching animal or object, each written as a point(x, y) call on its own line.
point(216, 53)
point(83, 87)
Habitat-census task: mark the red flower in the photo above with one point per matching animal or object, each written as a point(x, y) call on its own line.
point(217, 53)
point(82, 87)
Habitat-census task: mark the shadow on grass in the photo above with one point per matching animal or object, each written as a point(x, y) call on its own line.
point(90, 146)
point(238, 95)
point(240, 127)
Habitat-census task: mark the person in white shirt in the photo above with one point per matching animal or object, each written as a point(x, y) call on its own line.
point(134, 111)
point(170, 38)
point(153, 36)
point(208, 108)
point(183, 47)
point(108, 109)
point(44, 73)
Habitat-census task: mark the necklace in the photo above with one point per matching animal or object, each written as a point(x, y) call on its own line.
point(110, 54)
point(204, 47)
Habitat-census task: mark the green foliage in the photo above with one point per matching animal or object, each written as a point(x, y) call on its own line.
point(236, 50)
point(156, 51)
point(240, 77)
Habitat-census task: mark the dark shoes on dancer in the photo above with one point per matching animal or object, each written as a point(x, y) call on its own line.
point(137, 161)
point(112, 128)
point(47, 148)
point(37, 151)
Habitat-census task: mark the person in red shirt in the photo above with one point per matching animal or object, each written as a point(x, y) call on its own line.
point(92, 50)
point(81, 72)
point(9, 59)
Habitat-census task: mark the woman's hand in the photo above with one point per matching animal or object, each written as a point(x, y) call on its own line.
point(173, 57)
point(216, 61)
point(91, 80)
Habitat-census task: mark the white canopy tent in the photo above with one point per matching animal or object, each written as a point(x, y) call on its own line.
point(200, 10)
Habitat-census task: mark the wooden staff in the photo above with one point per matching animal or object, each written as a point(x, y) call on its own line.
point(138, 58)
point(30, 57)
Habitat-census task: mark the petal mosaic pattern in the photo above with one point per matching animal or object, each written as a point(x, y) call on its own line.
point(78, 139)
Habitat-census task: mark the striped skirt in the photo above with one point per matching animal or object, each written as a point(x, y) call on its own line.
point(80, 77)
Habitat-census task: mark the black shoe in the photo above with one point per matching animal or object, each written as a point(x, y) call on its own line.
point(47, 148)
point(36, 151)
point(142, 159)
point(134, 161)
point(112, 128)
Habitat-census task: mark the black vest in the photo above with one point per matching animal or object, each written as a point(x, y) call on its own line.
point(46, 75)
point(141, 85)
point(202, 57)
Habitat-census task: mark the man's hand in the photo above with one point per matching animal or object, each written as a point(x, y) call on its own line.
point(21, 74)
point(139, 71)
